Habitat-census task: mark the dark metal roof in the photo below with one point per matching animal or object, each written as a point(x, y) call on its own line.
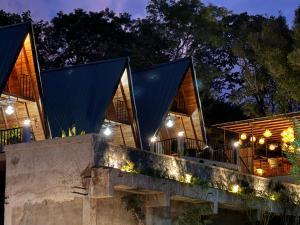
point(11, 42)
point(154, 90)
point(80, 95)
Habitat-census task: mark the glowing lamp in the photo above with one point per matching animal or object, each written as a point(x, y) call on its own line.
point(9, 110)
point(27, 122)
point(153, 139)
point(260, 171)
point(180, 133)
point(170, 122)
point(107, 131)
point(261, 141)
point(267, 133)
point(235, 188)
point(272, 147)
point(288, 135)
point(253, 139)
point(236, 144)
point(243, 136)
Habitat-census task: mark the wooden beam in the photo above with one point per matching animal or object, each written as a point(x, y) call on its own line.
point(4, 118)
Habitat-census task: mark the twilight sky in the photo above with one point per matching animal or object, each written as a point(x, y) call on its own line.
point(45, 9)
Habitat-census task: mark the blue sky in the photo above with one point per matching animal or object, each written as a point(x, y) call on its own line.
point(45, 9)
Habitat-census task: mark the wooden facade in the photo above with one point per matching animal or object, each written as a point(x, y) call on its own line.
point(121, 113)
point(22, 90)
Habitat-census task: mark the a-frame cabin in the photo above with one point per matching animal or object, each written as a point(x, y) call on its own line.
point(20, 85)
point(169, 108)
point(92, 98)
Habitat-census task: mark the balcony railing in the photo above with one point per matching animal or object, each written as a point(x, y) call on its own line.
point(118, 111)
point(15, 136)
point(195, 148)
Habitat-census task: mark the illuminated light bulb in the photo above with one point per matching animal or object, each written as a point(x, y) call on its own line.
point(235, 188)
point(243, 136)
point(107, 131)
point(153, 139)
point(253, 139)
point(261, 141)
point(260, 171)
point(267, 133)
point(9, 110)
point(170, 122)
point(26, 122)
point(272, 147)
point(288, 135)
point(236, 144)
point(180, 133)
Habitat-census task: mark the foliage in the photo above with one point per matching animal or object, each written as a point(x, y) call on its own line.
point(13, 136)
point(71, 132)
point(129, 167)
point(197, 214)
point(294, 156)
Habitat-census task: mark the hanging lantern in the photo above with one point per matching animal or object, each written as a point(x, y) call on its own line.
point(261, 141)
point(260, 171)
point(267, 133)
point(243, 136)
point(272, 147)
point(253, 139)
point(236, 144)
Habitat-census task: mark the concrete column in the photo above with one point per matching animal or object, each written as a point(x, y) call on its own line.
point(89, 211)
point(157, 209)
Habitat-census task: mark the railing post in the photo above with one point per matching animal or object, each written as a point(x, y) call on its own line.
point(180, 145)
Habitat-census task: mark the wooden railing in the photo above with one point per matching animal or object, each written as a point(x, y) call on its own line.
point(15, 136)
point(10, 136)
point(195, 148)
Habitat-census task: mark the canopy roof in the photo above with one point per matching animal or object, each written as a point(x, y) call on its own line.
point(11, 42)
point(80, 95)
point(154, 91)
point(276, 124)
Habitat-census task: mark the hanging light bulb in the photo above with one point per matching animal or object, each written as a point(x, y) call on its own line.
point(243, 136)
point(261, 141)
point(272, 147)
point(26, 122)
point(267, 133)
point(253, 139)
point(170, 121)
point(107, 131)
point(9, 110)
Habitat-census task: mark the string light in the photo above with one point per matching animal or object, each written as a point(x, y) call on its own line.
point(272, 147)
point(153, 139)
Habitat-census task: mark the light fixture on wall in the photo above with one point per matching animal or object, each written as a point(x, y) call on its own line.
point(170, 121)
point(27, 122)
point(107, 129)
point(153, 139)
point(243, 136)
point(9, 110)
point(180, 133)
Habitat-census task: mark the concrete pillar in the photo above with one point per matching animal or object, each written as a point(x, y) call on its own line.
point(89, 211)
point(101, 185)
point(157, 209)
